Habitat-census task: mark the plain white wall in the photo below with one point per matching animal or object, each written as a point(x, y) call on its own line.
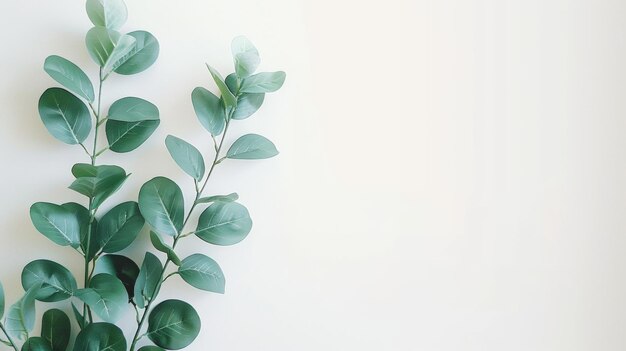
point(452, 173)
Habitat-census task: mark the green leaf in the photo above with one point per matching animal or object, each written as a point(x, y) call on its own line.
point(120, 227)
point(70, 76)
point(36, 343)
point(148, 279)
point(233, 83)
point(78, 316)
point(230, 101)
point(158, 244)
point(54, 282)
point(20, 318)
point(265, 82)
point(143, 55)
point(127, 136)
point(106, 296)
point(83, 216)
point(111, 14)
point(202, 272)
point(57, 223)
point(100, 337)
point(173, 324)
point(65, 116)
point(123, 48)
point(186, 156)
point(252, 147)
point(2, 302)
point(97, 182)
point(125, 269)
point(133, 109)
point(247, 105)
point(162, 205)
point(209, 110)
point(56, 329)
point(246, 56)
point(100, 43)
point(224, 223)
point(219, 198)
point(151, 348)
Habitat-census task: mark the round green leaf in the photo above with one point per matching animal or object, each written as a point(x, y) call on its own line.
point(209, 110)
point(148, 279)
point(202, 272)
point(83, 216)
point(173, 324)
point(123, 48)
point(57, 223)
point(224, 223)
point(111, 14)
point(70, 76)
point(133, 109)
point(245, 55)
point(125, 269)
point(252, 147)
point(100, 337)
point(36, 343)
point(65, 116)
point(55, 282)
point(247, 105)
point(265, 82)
point(97, 182)
point(100, 43)
point(119, 227)
point(186, 156)
point(162, 205)
point(106, 296)
point(20, 318)
point(233, 83)
point(56, 329)
point(143, 55)
point(127, 136)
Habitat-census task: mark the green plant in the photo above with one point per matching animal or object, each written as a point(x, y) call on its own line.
point(112, 282)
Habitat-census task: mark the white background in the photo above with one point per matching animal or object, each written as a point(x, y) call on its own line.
point(451, 175)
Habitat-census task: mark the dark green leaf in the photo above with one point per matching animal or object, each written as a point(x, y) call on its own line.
point(127, 136)
point(70, 76)
point(100, 337)
point(56, 329)
point(173, 324)
point(209, 110)
point(230, 101)
point(55, 282)
point(162, 205)
point(57, 223)
point(143, 55)
point(148, 279)
point(202, 272)
point(106, 296)
point(224, 223)
point(219, 198)
point(78, 316)
point(65, 116)
point(20, 318)
point(252, 147)
point(151, 348)
point(186, 156)
point(247, 105)
point(83, 216)
point(158, 244)
point(120, 227)
point(107, 13)
point(133, 109)
point(36, 343)
point(246, 56)
point(125, 269)
point(97, 182)
point(265, 82)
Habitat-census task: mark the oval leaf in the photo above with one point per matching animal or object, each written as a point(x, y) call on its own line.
point(230, 101)
point(158, 244)
point(127, 136)
point(120, 227)
point(202, 272)
point(209, 110)
point(247, 105)
point(36, 343)
point(57, 223)
point(70, 76)
point(125, 269)
point(224, 223)
point(133, 109)
point(55, 282)
point(186, 156)
point(148, 279)
point(111, 14)
point(252, 147)
point(65, 116)
point(123, 48)
point(56, 329)
point(173, 324)
point(97, 182)
point(144, 54)
point(246, 56)
point(20, 318)
point(151, 348)
point(162, 205)
point(100, 337)
point(100, 43)
point(83, 216)
point(265, 82)
point(106, 296)
point(219, 198)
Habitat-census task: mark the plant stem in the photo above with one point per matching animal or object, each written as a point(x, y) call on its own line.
point(180, 235)
point(8, 337)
